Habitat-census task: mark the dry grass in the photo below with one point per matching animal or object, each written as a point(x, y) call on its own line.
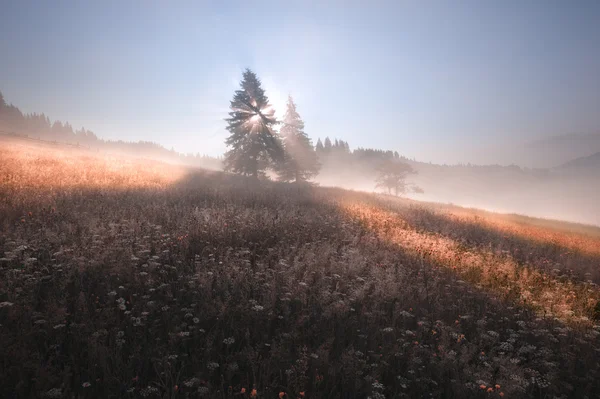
point(136, 279)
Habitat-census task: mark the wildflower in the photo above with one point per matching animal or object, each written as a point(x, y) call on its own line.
point(86, 384)
point(212, 366)
point(243, 390)
point(281, 395)
point(149, 390)
point(253, 393)
point(482, 386)
point(490, 390)
point(190, 383)
point(229, 341)
point(54, 393)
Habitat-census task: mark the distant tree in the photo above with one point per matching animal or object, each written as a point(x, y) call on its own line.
point(300, 159)
point(56, 130)
point(391, 175)
point(253, 144)
point(319, 147)
point(327, 145)
point(2, 102)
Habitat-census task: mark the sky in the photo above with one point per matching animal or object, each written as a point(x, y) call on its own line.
point(435, 80)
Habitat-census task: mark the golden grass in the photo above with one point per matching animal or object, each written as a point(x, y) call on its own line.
point(576, 237)
point(569, 301)
point(29, 165)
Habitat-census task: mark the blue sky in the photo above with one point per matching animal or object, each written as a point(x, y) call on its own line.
point(437, 81)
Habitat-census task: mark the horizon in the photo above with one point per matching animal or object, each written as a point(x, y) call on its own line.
point(445, 84)
point(352, 148)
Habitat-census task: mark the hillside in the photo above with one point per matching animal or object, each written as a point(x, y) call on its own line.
point(36, 126)
point(557, 150)
point(132, 277)
point(584, 165)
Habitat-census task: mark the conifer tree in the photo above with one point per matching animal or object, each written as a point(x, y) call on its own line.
point(327, 145)
point(300, 161)
point(319, 147)
point(253, 144)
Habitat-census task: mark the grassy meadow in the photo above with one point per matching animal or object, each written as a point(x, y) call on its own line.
point(132, 278)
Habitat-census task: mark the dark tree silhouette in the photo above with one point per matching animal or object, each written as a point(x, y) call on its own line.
point(319, 147)
point(300, 161)
point(391, 175)
point(253, 145)
point(328, 145)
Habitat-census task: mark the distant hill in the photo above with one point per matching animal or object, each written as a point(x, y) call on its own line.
point(39, 127)
point(559, 150)
point(589, 164)
point(543, 153)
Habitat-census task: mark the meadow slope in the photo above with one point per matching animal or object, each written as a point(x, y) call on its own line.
point(132, 278)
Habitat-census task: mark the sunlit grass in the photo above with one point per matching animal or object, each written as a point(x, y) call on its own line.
point(551, 295)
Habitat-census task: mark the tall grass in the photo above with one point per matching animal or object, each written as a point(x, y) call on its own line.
point(127, 278)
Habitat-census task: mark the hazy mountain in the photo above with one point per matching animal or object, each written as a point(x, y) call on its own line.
point(558, 150)
point(583, 165)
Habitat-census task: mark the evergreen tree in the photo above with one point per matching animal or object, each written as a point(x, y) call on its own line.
point(253, 145)
point(319, 147)
point(328, 145)
point(300, 161)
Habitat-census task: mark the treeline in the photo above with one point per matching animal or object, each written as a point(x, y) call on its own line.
point(39, 126)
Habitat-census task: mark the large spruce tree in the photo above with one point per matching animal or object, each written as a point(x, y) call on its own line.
point(253, 144)
point(300, 161)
